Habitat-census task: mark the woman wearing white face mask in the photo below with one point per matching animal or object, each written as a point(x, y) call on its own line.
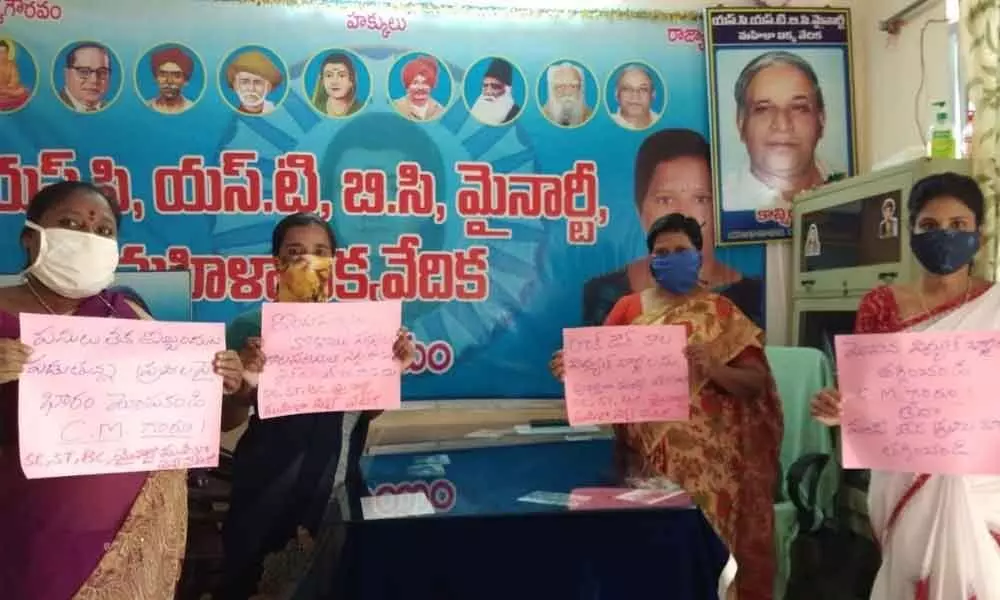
point(106, 536)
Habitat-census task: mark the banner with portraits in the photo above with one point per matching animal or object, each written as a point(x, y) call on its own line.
point(484, 166)
point(781, 93)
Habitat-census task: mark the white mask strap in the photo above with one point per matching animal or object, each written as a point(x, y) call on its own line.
point(43, 243)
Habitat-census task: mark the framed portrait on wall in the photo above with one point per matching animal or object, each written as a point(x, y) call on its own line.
point(781, 100)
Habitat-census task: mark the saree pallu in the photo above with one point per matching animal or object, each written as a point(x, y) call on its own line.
point(144, 560)
point(726, 455)
point(939, 533)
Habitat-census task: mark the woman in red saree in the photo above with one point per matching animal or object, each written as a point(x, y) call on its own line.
point(726, 455)
point(940, 534)
point(102, 537)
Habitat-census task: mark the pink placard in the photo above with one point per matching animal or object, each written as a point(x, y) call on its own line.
point(626, 498)
point(920, 402)
point(632, 374)
point(105, 396)
point(330, 357)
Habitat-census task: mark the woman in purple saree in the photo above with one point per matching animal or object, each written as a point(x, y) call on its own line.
point(103, 537)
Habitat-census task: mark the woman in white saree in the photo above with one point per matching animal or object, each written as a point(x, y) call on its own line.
point(940, 534)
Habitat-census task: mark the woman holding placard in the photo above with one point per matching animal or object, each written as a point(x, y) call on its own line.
point(80, 537)
point(726, 455)
point(285, 469)
point(939, 533)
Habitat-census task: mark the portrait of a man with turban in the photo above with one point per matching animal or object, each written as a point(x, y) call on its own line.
point(172, 68)
point(253, 76)
point(420, 77)
point(496, 104)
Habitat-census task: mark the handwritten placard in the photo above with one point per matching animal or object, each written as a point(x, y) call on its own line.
point(103, 396)
point(632, 374)
point(330, 357)
point(921, 402)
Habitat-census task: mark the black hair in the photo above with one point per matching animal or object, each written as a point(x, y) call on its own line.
point(6, 45)
point(962, 187)
point(299, 220)
point(675, 223)
point(665, 146)
point(55, 194)
point(71, 55)
point(339, 58)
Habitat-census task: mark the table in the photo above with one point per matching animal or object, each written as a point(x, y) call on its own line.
point(492, 546)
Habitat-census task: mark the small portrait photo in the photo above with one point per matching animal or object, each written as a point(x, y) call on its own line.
point(337, 83)
point(420, 87)
point(567, 93)
point(87, 77)
point(813, 247)
point(495, 91)
point(635, 96)
point(253, 80)
point(170, 78)
point(18, 76)
point(888, 226)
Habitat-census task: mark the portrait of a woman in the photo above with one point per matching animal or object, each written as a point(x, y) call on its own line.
point(336, 89)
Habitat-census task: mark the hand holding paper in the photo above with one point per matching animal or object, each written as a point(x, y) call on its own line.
point(330, 357)
point(630, 374)
point(920, 402)
point(117, 396)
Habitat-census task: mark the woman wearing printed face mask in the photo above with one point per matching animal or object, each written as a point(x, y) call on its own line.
point(940, 534)
point(726, 456)
point(77, 537)
point(285, 469)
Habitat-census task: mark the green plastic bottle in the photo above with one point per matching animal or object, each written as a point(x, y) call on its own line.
point(941, 138)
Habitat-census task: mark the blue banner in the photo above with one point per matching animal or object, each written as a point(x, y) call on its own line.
point(470, 163)
point(165, 295)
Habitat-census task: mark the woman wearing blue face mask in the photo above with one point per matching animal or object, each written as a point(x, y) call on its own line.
point(726, 455)
point(940, 534)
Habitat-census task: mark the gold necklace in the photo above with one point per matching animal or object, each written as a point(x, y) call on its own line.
point(45, 305)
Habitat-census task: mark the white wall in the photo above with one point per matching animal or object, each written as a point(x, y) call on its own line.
point(887, 68)
point(890, 72)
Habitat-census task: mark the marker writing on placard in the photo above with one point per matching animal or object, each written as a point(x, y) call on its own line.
point(284, 321)
point(625, 374)
point(69, 336)
point(175, 429)
point(111, 395)
point(82, 431)
point(357, 395)
point(329, 358)
point(161, 456)
point(922, 400)
point(154, 371)
point(157, 400)
point(70, 402)
point(100, 372)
